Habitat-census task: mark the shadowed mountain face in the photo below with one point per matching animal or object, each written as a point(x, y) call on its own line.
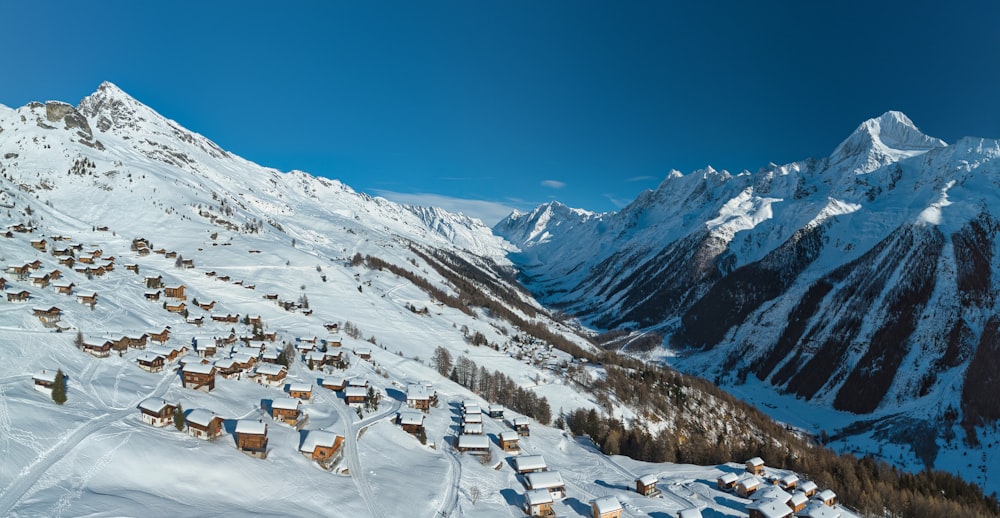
point(863, 281)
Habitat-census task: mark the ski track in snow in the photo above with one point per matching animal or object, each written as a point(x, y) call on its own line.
point(67, 499)
point(353, 462)
point(4, 421)
point(34, 471)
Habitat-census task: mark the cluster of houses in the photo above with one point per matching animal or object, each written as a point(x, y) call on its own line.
point(779, 496)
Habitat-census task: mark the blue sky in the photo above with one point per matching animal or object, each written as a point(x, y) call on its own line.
point(488, 106)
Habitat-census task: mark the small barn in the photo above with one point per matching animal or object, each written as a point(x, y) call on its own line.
point(156, 412)
point(87, 299)
point(646, 485)
point(809, 488)
point(538, 502)
point(727, 481)
point(508, 440)
point(606, 507)
point(788, 482)
point(495, 411)
point(798, 501)
point(521, 426)
point(551, 481)
point(251, 438)
point(747, 486)
point(176, 292)
point(44, 381)
point(827, 496)
point(755, 466)
point(365, 353)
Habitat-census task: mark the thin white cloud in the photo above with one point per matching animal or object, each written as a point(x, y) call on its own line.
point(640, 178)
point(489, 212)
point(616, 201)
point(553, 184)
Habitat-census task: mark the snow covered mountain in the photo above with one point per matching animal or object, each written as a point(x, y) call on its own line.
point(864, 282)
point(124, 230)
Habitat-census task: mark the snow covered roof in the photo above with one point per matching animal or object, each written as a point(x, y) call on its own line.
point(538, 496)
point(772, 493)
point(153, 404)
point(357, 382)
point(285, 403)
point(748, 482)
point(818, 510)
point(756, 461)
point(520, 421)
point(808, 486)
point(328, 381)
point(789, 479)
point(544, 479)
point(729, 478)
point(355, 392)
point(316, 438)
point(692, 512)
point(768, 508)
point(473, 418)
point(475, 428)
point(300, 387)
point(798, 498)
point(508, 435)
point(148, 356)
point(473, 409)
point(648, 480)
point(46, 375)
point(269, 369)
point(477, 442)
point(530, 462)
point(201, 417)
point(469, 402)
point(411, 418)
point(416, 393)
point(495, 408)
point(826, 494)
point(363, 351)
point(199, 368)
point(251, 427)
point(225, 363)
point(607, 504)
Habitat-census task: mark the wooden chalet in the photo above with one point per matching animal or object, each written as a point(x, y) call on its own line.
point(473, 444)
point(195, 321)
point(187, 263)
point(20, 272)
point(251, 438)
point(270, 374)
point(355, 395)
point(3, 283)
point(270, 296)
point(67, 261)
point(170, 255)
point(472, 428)
point(530, 464)
point(152, 295)
point(508, 441)
point(18, 296)
point(156, 412)
point(365, 353)
point(142, 251)
point(336, 384)
point(788, 482)
point(798, 501)
point(776, 494)
point(228, 368)
point(227, 318)
point(85, 259)
point(270, 357)
point(551, 481)
point(809, 488)
point(21, 228)
point(175, 308)
point(538, 502)
point(521, 426)
point(755, 466)
point(87, 299)
point(154, 283)
point(300, 391)
point(98, 349)
point(223, 278)
point(827, 496)
point(199, 376)
point(160, 337)
point(40, 280)
point(64, 288)
point(646, 485)
point(334, 340)
point(48, 315)
point(132, 268)
point(286, 409)
point(606, 507)
point(204, 424)
point(39, 244)
point(747, 486)
point(768, 508)
point(727, 481)
point(206, 306)
point(331, 357)
point(495, 411)
point(331, 326)
point(418, 398)
point(271, 337)
point(316, 359)
point(151, 362)
point(255, 321)
point(321, 446)
point(44, 381)
point(176, 292)
point(160, 251)
point(411, 422)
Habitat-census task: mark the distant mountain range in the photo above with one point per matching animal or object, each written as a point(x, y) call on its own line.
point(864, 281)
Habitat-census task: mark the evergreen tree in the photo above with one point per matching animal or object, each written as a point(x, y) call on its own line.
point(179, 418)
point(59, 388)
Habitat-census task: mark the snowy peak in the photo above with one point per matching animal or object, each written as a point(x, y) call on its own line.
point(111, 107)
point(885, 139)
point(533, 227)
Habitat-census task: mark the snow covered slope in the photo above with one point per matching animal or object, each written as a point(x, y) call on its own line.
point(863, 282)
point(121, 197)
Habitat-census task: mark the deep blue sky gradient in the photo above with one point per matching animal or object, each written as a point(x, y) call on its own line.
point(517, 103)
